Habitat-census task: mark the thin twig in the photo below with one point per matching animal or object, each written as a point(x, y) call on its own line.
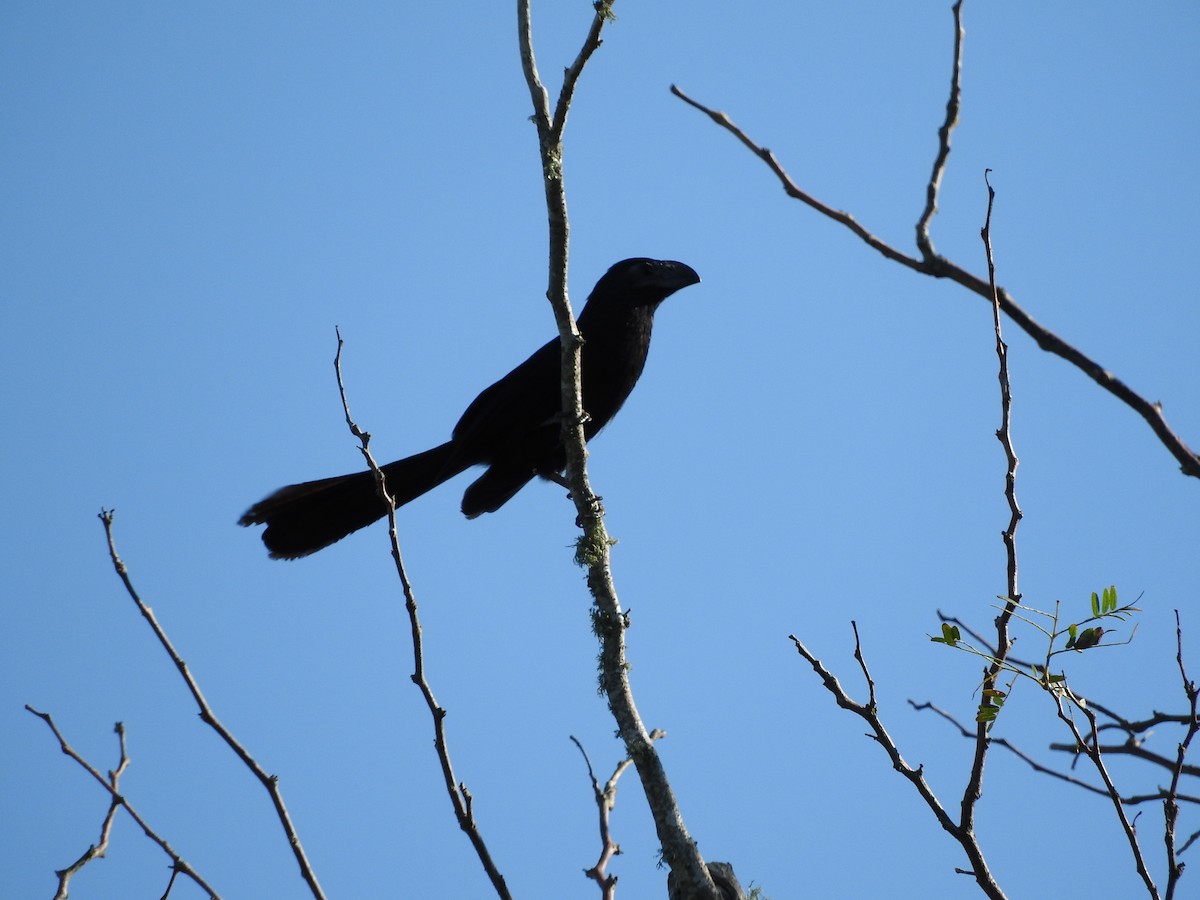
point(976, 636)
point(269, 782)
point(1170, 804)
point(1195, 836)
point(1133, 749)
point(177, 861)
point(97, 850)
point(550, 143)
point(1004, 743)
point(606, 799)
point(1010, 747)
point(1095, 756)
point(460, 798)
point(974, 787)
point(924, 242)
point(591, 44)
point(1004, 434)
point(1137, 727)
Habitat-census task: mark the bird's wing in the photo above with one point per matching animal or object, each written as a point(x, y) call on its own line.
point(523, 400)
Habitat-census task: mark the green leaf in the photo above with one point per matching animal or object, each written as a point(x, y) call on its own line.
point(1095, 604)
point(987, 713)
point(1110, 598)
point(950, 635)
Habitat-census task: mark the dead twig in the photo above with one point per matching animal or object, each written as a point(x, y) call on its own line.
point(606, 800)
point(460, 798)
point(269, 782)
point(178, 864)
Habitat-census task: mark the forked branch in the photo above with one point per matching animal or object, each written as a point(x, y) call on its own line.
point(178, 864)
point(937, 266)
point(269, 782)
point(690, 877)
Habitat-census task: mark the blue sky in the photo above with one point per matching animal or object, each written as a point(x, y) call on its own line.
point(194, 195)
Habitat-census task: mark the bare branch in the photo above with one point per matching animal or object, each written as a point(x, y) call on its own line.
point(1170, 804)
point(1004, 743)
point(269, 782)
point(1130, 748)
point(177, 861)
point(795, 192)
point(95, 851)
point(1095, 756)
point(606, 799)
point(924, 242)
point(869, 713)
point(1141, 725)
point(1195, 835)
point(460, 798)
point(1010, 747)
point(591, 44)
point(973, 789)
point(1004, 435)
point(937, 266)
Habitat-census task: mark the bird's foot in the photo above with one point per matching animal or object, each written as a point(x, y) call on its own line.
point(595, 502)
point(597, 510)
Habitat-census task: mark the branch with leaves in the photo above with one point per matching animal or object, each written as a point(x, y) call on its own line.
point(1086, 741)
point(1075, 637)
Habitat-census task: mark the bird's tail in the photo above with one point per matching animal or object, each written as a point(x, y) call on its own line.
point(303, 518)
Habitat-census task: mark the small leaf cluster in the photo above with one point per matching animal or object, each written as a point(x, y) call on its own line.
point(1079, 636)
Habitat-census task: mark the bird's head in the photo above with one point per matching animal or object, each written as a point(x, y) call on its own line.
point(642, 281)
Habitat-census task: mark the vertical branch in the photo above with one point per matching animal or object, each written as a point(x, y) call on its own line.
point(1171, 803)
point(1004, 434)
point(924, 242)
point(550, 130)
point(974, 787)
point(688, 870)
point(606, 800)
point(97, 850)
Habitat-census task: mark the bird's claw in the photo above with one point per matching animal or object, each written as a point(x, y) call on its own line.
point(597, 505)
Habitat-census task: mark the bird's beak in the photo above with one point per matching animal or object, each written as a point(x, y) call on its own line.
point(677, 275)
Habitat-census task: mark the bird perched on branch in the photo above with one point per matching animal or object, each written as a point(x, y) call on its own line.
point(513, 427)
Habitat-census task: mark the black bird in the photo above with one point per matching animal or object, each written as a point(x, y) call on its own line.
point(513, 427)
